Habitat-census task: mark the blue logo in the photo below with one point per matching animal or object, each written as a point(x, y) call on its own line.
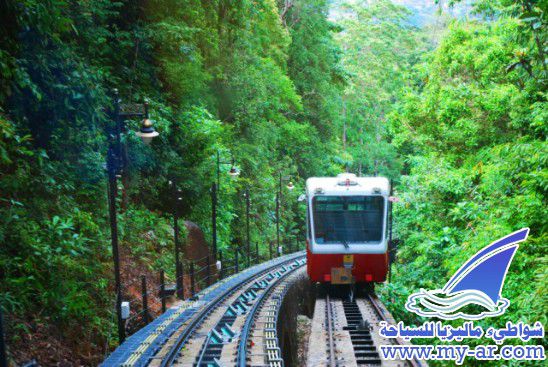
point(478, 282)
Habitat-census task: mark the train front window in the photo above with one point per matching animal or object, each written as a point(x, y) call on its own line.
point(347, 219)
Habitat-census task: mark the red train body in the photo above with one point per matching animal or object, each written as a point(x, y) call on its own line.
point(347, 234)
point(367, 268)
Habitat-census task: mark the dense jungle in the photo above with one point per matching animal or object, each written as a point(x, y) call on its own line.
point(445, 98)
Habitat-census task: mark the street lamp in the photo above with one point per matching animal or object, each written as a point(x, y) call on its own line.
point(233, 172)
point(147, 132)
point(116, 164)
point(247, 232)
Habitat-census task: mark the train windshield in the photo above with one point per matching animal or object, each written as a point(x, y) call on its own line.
point(348, 219)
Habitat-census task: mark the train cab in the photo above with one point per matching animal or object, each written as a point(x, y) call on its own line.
point(347, 221)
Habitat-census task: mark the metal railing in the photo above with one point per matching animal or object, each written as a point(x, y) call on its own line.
point(199, 274)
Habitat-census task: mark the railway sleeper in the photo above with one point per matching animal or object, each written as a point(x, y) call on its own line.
point(222, 333)
point(359, 329)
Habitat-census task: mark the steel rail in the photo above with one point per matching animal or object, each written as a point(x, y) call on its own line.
point(204, 348)
point(330, 328)
point(202, 315)
point(373, 299)
point(246, 330)
point(206, 343)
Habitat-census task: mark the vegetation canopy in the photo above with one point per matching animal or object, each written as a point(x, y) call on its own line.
point(451, 107)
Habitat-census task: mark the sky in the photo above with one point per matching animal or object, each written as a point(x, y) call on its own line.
point(424, 11)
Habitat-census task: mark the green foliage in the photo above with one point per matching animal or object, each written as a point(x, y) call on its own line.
point(380, 46)
point(220, 76)
point(476, 165)
point(272, 86)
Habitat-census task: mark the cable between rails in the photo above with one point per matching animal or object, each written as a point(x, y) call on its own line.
point(330, 328)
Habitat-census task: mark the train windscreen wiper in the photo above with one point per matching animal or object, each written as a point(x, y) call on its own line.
point(345, 244)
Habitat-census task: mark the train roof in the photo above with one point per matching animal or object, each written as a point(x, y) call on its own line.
point(348, 184)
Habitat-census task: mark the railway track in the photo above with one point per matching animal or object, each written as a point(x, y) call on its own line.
point(258, 344)
point(220, 334)
point(232, 323)
point(349, 330)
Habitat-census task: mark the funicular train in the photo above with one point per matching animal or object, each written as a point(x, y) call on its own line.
point(347, 229)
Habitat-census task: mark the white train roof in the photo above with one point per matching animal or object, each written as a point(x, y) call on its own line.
point(347, 184)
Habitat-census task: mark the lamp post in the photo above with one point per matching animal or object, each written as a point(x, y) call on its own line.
point(115, 165)
point(233, 172)
point(214, 217)
point(290, 187)
point(176, 193)
point(278, 197)
point(3, 357)
point(247, 231)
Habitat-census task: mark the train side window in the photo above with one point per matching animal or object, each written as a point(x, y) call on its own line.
point(308, 224)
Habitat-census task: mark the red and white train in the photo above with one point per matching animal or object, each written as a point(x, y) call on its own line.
point(347, 234)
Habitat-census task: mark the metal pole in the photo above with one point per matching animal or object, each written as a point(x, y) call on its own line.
point(122, 151)
point(145, 298)
point(182, 271)
point(125, 177)
point(237, 263)
point(291, 245)
point(118, 130)
point(3, 354)
point(178, 273)
point(163, 290)
point(208, 273)
point(257, 251)
point(214, 204)
point(218, 169)
point(192, 280)
point(111, 165)
point(279, 204)
point(214, 217)
point(248, 237)
point(221, 274)
point(277, 222)
point(280, 186)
